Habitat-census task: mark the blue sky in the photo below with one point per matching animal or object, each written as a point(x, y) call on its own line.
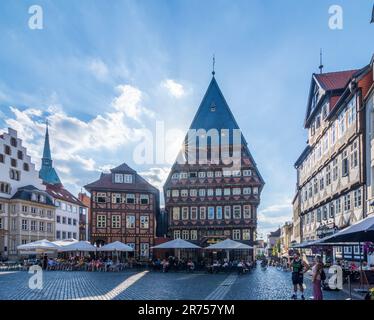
point(102, 72)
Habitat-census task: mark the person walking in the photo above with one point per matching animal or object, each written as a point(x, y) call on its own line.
point(298, 268)
point(317, 275)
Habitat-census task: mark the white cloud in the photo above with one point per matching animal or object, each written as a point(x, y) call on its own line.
point(175, 89)
point(156, 176)
point(99, 69)
point(129, 102)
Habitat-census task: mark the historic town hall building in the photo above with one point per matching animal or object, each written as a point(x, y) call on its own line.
point(208, 198)
point(124, 207)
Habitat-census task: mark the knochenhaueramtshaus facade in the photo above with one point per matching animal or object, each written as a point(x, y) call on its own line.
point(124, 207)
point(208, 201)
point(331, 176)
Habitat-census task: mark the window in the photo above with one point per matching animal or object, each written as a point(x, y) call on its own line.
point(237, 212)
point(332, 210)
point(210, 213)
point(312, 217)
point(341, 120)
point(13, 142)
point(210, 174)
point(185, 213)
point(338, 206)
point(100, 198)
point(176, 213)
point(319, 215)
point(246, 234)
point(210, 192)
point(58, 219)
point(347, 202)
point(175, 175)
point(168, 193)
point(184, 193)
point(247, 173)
point(175, 193)
point(101, 221)
point(7, 150)
point(354, 155)
point(49, 213)
point(318, 121)
point(116, 198)
point(144, 199)
point(183, 175)
point(236, 191)
point(328, 175)
point(58, 234)
point(202, 213)
point(193, 234)
point(63, 234)
point(63, 205)
point(321, 183)
point(247, 211)
point(33, 225)
point(227, 212)
point(193, 175)
point(24, 225)
point(4, 187)
point(14, 174)
point(247, 190)
point(194, 213)
point(335, 172)
point(130, 221)
point(218, 192)
point(20, 155)
point(144, 222)
point(130, 198)
point(236, 234)
point(177, 234)
point(75, 235)
point(357, 195)
point(127, 178)
point(315, 183)
point(219, 213)
point(227, 191)
point(25, 209)
point(144, 250)
point(185, 234)
point(201, 174)
point(324, 212)
point(255, 190)
point(41, 226)
point(69, 221)
point(218, 174)
point(116, 221)
point(202, 192)
point(64, 220)
point(193, 192)
point(118, 178)
point(74, 222)
point(1, 158)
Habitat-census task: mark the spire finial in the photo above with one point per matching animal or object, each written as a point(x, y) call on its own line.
point(46, 124)
point(214, 62)
point(320, 61)
point(372, 15)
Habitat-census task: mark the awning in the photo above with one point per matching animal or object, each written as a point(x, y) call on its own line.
point(39, 246)
point(83, 246)
point(115, 246)
point(229, 244)
point(177, 244)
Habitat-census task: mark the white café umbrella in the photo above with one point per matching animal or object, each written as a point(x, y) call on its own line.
point(116, 247)
point(65, 242)
point(227, 245)
point(39, 246)
point(177, 244)
point(83, 246)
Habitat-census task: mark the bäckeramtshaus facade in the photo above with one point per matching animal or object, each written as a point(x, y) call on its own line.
point(124, 207)
point(331, 170)
point(206, 198)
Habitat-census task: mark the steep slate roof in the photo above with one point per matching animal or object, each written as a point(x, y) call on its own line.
point(275, 233)
point(334, 80)
point(59, 192)
point(47, 173)
point(24, 193)
point(221, 118)
point(105, 182)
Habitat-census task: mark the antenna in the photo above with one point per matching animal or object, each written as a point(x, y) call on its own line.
point(320, 61)
point(214, 62)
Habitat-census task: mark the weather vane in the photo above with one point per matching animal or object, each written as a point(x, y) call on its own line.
point(214, 62)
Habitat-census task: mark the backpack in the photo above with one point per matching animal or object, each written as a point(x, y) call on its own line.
point(323, 275)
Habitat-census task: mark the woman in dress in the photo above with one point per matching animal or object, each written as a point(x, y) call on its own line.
point(316, 278)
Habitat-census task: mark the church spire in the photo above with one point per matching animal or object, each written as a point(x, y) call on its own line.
point(214, 63)
point(47, 173)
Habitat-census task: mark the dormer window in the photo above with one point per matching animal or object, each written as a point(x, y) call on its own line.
point(118, 178)
point(41, 198)
point(34, 197)
point(127, 178)
point(213, 107)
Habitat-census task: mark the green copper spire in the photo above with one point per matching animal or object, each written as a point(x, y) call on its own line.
point(47, 173)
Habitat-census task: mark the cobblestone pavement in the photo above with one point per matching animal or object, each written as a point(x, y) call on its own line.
point(144, 285)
